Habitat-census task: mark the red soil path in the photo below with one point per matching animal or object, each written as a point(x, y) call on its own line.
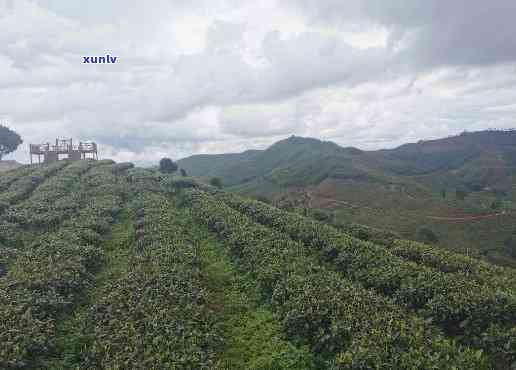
point(311, 196)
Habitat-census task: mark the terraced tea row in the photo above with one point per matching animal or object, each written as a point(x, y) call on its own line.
point(8, 177)
point(475, 313)
point(325, 299)
point(23, 181)
point(56, 199)
point(434, 257)
point(157, 315)
point(11, 234)
point(347, 325)
point(49, 276)
point(486, 273)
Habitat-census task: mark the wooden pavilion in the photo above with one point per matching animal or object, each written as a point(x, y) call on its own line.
point(63, 149)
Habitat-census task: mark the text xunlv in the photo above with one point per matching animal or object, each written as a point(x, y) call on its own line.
point(102, 60)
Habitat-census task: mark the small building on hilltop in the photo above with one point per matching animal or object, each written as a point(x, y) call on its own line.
point(64, 149)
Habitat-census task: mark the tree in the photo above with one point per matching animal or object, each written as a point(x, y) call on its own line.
point(427, 235)
point(496, 204)
point(183, 172)
point(460, 194)
point(263, 198)
point(9, 141)
point(217, 182)
point(510, 244)
point(167, 165)
point(443, 193)
point(320, 215)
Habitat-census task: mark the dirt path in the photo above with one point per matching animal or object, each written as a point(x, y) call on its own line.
point(469, 218)
point(311, 197)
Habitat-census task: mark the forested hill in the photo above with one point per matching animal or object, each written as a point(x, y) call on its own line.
point(303, 161)
point(291, 161)
point(106, 266)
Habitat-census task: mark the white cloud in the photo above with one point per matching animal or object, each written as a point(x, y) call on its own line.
point(225, 75)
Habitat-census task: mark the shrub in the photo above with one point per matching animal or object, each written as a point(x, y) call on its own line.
point(426, 234)
point(216, 181)
point(460, 194)
point(166, 165)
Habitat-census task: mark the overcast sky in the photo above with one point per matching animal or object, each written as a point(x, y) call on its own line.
point(211, 76)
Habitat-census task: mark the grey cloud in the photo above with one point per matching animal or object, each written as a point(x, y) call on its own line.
point(433, 33)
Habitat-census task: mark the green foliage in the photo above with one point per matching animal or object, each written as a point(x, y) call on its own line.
point(8, 177)
point(319, 215)
point(52, 201)
point(265, 350)
point(166, 165)
point(216, 181)
point(460, 194)
point(308, 295)
point(300, 161)
point(45, 280)
point(510, 244)
point(172, 184)
point(426, 234)
point(22, 186)
point(367, 233)
point(402, 185)
point(359, 231)
point(183, 172)
point(462, 307)
point(449, 262)
point(9, 141)
point(496, 204)
point(294, 161)
point(156, 316)
point(263, 199)
point(252, 335)
point(335, 317)
point(120, 168)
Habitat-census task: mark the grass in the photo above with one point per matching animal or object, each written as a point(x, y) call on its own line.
point(253, 337)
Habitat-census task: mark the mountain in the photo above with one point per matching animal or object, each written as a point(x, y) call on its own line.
point(307, 161)
point(294, 161)
point(446, 185)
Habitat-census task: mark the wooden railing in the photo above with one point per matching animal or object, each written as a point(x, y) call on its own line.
point(65, 148)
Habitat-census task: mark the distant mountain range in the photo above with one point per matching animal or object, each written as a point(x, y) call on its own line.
point(299, 161)
point(9, 165)
point(402, 189)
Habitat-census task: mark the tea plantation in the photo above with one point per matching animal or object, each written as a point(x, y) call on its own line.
point(107, 266)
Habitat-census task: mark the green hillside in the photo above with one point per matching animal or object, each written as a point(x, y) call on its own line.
point(428, 185)
point(471, 160)
point(294, 161)
point(107, 266)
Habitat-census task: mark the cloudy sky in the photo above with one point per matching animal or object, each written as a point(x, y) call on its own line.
point(210, 76)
